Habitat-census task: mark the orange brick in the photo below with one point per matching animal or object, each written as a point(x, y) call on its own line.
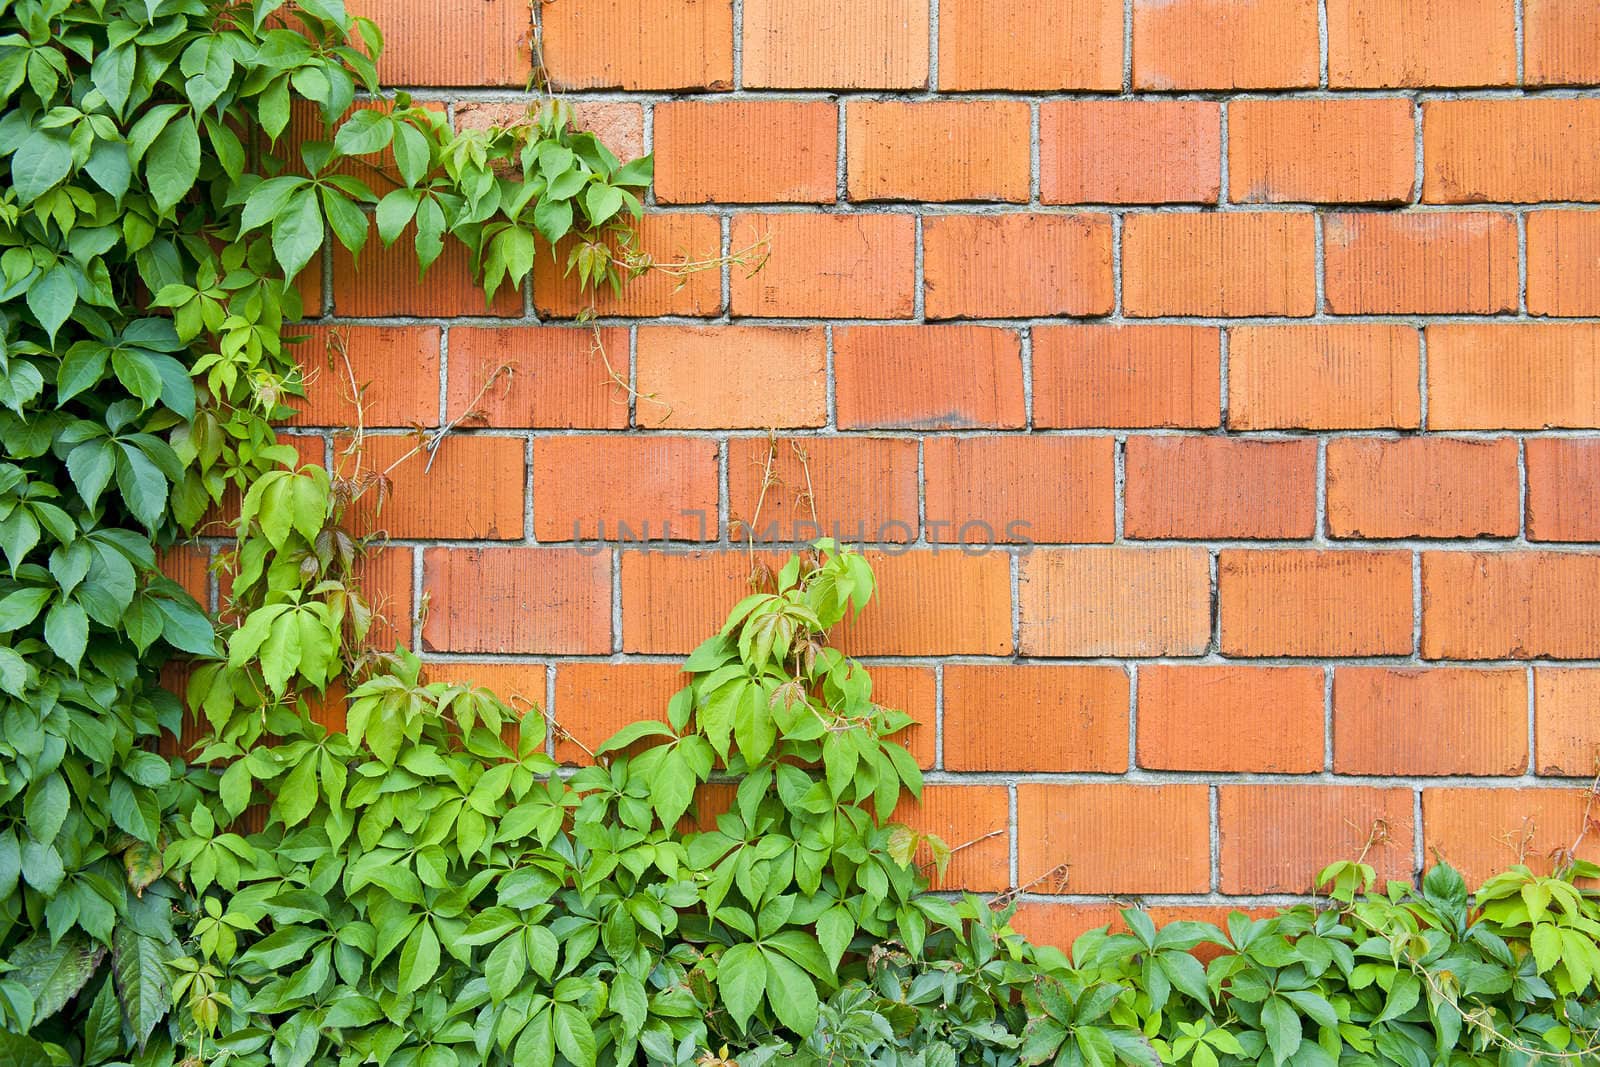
point(619, 488)
point(746, 151)
point(1422, 263)
point(1481, 832)
point(1421, 43)
point(671, 601)
point(1423, 487)
point(638, 44)
point(537, 376)
point(1511, 151)
point(524, 600)
point(1050, 490)
point(1436, 721)
point(1114, 838)
point(1324, 377)
point(817, 44)
point(385, 281)
point(668, 239)
point(1563, 489)
point(829, 266)
point(595, 700)
point(190, 566)
point(1070, 718)
point(385, 578)
point(995, 44)
point(1564, 262)
point(915, 691)
point(938, 150)
point(484, 479)
point(1513, 376)
point(1126, 376)
point(927, 377)
point(1270, 718)
point(1308, 603)
point(861, 488)
point(991, 266)
point(1276, 838)
point(733, 376)
point(1219, 264)
point(1510, 605)
point(618, 125)
point(429, 43)
point(1115, 602)
point(1566, 729)
point(975, 816)
point(1225, 44)
point(1048, 923)
point(1128, 151)
point(1359, 151)
point(1219, 487)
point(521, 686)
point(395, 369)
point(1559, 44)
point(939, 602)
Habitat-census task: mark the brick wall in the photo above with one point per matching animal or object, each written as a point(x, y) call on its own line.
point(1274, 322)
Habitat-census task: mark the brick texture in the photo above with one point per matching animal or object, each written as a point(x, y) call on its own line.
point(1009, 266)
point(1339, 377)
point(1510, 605)
point(995, 44)
point(1563, 263)
point(1522, 376)
point(1219, 487)
point(1075, 718)
point(746, 151)
point(1440, 721)
point(1510, 150)
point(1233, 264)
point(1113, 837)
point(986, 490)
point(1421, 42)
point(1265, 719)
point(1422, 487)
point(1275, 838)
point(928, 377)
point(1129, 151)
point(1115, 602)
point(1444, 263)
point(1563, 489)
point(1224, 44)
point(946, 150)
point(1321, 151)
point(1363, 602)
point(1130, 376)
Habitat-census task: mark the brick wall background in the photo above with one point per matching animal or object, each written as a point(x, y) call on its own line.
point(1277, 321)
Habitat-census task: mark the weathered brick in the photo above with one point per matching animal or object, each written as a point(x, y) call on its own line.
point(1091, 375)
point(1422, 487)
point(1563, 488)
point(1421, 263)
point(638, 44)
point(393, 369)
point(988, 490)
point(1362, 602)
point(1239, 263)
point(484, 479)
point(1332, 151)
point(430, 43)
point(817, 44)
point(595, 700)
point(683, 248)
point(1276, 838)
point(593, 487)
point(1324, 377)
point(939, 602)
point(538, 376)
point(1230, 718)
point(1219, 487)
point(1566, 730)
point(1510, 605)
point(1480, 832)
point(1513, 376)
point(1115, 602)
point(732, 376)
point(1225, 44)
point(1564, 262)
point(937, 150)
point(385, 281)
point(860, 488)
point(1520, 150)
point(1434, 721)
point(927, 377)
point(973, 818)
point(1559, 44)
point(1114, 838)
point(524, 600)
point(831, 266)
point(1073, 718)
point(1129, 151)
point(1421, 43)
point(746, 151)
point(998, 266)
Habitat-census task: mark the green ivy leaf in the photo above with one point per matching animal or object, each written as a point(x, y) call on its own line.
point(42, 160)
point(742, 981)
point(297, 232)
point(138, 963)
point(173, 163)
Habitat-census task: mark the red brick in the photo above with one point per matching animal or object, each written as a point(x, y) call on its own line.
point(595, 700)
point(1114, 838)
point(667, 287)
point(1060, 718)
point(1115, 602)
point(395, 371)
point(618, 488)
point(1481, 832)
point(1059, 925)
point(1219, 487)
point(1435, 721)
point(484, 479)
point(1126, 376)
point(524, 600)
point(1324, 377)
point(939, 602)
point(1027, 489)
point(1340, 151)
point(927, 377)
point(429, 43)
point(542, 376)
point(385, 578)
point(1276, 838)
point(828, 266)
point(1230, 264)
point(638, 44)
point(1563, 488)
point(1559, 44)
point(520, 686)
point(1421, 263)
point(385, 281)
point(977, 817)
point(733, 376)
point(1308, 603)
point(1002, 266)
point(861, 489)
point(1421, 43)
point(817, 44)
point(1510, 605)
point(915, 691)
point(618, 125)
point(746, 151)
point(1513, 376)
point(1225, 44)
point(938, 150)
point(1511, 151)
point(190, 566)
point(1564, 262)
point(672, 601)
point(1228, 718)
point(996, 44)
point(1128, 151)
point(1566, 730)
point(1423, 487)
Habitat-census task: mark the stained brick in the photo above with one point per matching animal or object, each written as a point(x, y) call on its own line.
point(1481, 832)
point(1423, 487)
point(1114, 838)
point(834, 266)
point(819, 44)
point(732, 376)
point(993, 266)
point(1271, 718)
point(1513, 376)
point(638, 44)
point(1225, 44)
point(1566, 730)
point(1421, 43)
point(1563, 488)
point(1339, 151)
point(1324, 377)
point(484, 479)
point(617, 488)
point(429, 43)
point(1564, 262)
point(524, 600)
point(1559, 44)
point(927, 377)
point(1421, 263)
point(1074, 718)
point(746, 151)
point(1511, 150)
point(986, 490)
point(1091, 375)
point(1276, 838)
point(1219, 487)
point(937, 150)
point(1510, 605)
point(1362, 602)
point(938, 602)
point(1129, 151)
point(385, 281)
point(537, 376)
point(1239, 263)
point(684, 246)
point(861, 488)
point(1115, 602)
point(395, 371)
point(1435, 721)
point(977, 817)
point(595, 700)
